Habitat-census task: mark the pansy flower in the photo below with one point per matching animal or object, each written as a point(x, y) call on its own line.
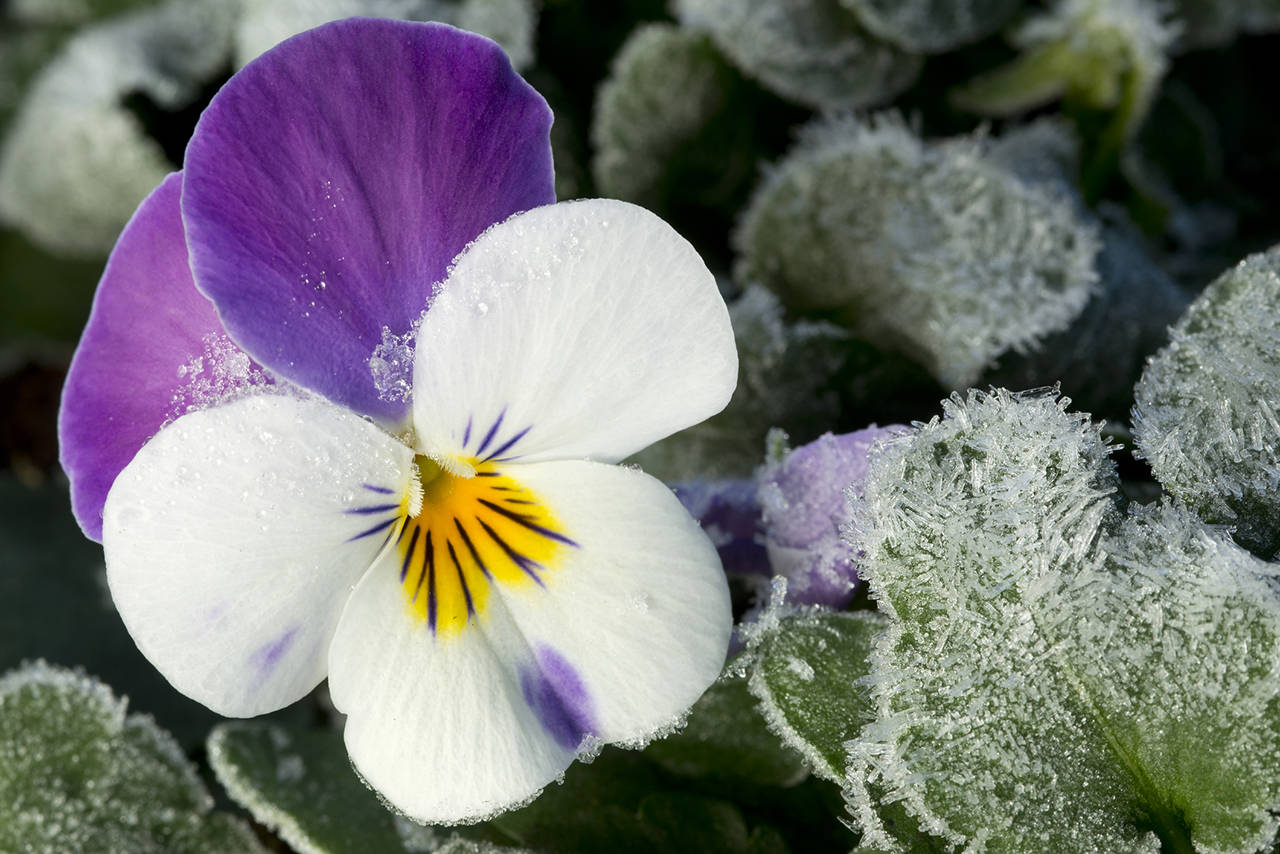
point(487, 593)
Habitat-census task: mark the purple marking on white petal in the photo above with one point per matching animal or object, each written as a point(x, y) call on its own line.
point(270, 653)
point(332, 181)
point(555, 692)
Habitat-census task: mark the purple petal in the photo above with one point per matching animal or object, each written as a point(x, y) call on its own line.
point(730, 515)
point(331, 182)
point(153, 349)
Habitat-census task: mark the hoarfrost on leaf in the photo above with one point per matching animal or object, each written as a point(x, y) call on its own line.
point(76, 162)
point(77, 774)
point(1207, 416)
point(812, 52)
point(1054, 677)
point(930, 249)
point(300, 784)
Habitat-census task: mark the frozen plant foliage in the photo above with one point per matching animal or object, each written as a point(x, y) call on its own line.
point(1207, 414)
point(785, 373)
point(299, 783)
point(77, 774)
point(1105, 54)
point(813, 52)
point(1054, 678)
point(804, 497)
point(666, 87)
point(76, 162)
point(932, 26)
point(924, 248)
point(511, 23)
point(805, 672)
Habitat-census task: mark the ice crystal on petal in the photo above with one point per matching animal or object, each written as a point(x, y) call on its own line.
point(813, 52)
point(391, 365)
point(1053, 677)
point(929, 249)
point(77, 774)
point(222, 373)
point(932, 26)
point(1207, 417)
point(76, 162)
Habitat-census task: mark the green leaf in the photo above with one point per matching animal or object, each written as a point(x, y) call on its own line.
point(300, 784)
point(812, 52)
point(931, 249)
point(76, 774)
point(1207, 406)
point(725, 739)
point(1054, 677)
point(806, 673)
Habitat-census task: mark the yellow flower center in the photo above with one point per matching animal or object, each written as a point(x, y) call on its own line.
point(465, 534)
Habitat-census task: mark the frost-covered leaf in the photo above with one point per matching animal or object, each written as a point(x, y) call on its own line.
point(1053, 678)
point(76, 774)
point(1207, 417)
point(806, 673)
point(300, 784)
point(669, 121)
point(932, 26)
point(726, 739)
point(265, 23)
point(787, 375)
point(812, 52)
point(928, 249)
point(76, 162)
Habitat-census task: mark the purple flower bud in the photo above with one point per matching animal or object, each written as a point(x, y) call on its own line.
point(730, 515)
point(804, 506)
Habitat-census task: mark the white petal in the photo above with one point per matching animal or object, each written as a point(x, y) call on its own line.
point(591, 325)
point(234, 537)
point(627, 625)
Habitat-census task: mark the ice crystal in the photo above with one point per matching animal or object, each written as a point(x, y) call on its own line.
point(77, 774)
point(813, 52)
point(391, 365)
point(932, 26)
point(220, 374)
point(1207, 416)
point(925, 248)
point(511, 23)
point(76, 163)
point(1054, 678)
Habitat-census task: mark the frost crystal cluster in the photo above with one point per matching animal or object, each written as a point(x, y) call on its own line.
point(927, 249)
point(1055, 677)
point(1207, 417)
